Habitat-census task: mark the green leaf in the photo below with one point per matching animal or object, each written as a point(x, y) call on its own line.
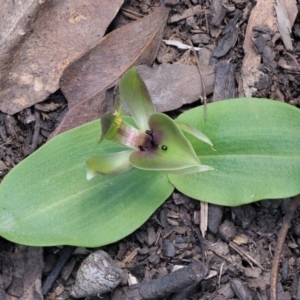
point(46, 199)
point(134, 93)
point(257, 143)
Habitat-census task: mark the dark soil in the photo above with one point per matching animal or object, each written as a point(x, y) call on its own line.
point(239, 246)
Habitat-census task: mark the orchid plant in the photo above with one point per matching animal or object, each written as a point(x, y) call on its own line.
point(256, 157)
point(157, 145)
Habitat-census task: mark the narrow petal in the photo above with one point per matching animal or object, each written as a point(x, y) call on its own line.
point(111, 121)
point(135, 94)
point(112, 163)
point(194, 169)
point(172, 150)
point(129, 136)
point(195, 132)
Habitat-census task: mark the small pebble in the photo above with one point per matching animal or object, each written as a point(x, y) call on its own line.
point(227, 230)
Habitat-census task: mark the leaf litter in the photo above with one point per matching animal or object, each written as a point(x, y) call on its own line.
point(40, 39)
point(85, 81)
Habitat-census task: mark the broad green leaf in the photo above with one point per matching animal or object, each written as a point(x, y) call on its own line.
point(257, 143)
point(134, 93)
point(46, 199)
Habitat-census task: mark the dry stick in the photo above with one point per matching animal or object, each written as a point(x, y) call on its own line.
point(201, 242)
point(294, 59)
point(203, 97)
point(281, 238)
point(36, 133)
point(246, 256)
point(65, 254)
point(203, 217)
point(168, 284)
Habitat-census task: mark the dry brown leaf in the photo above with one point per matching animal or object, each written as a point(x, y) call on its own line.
point(171, 86)
point(86, 80)
point(39, 39)
point(292, 10)
point(286, 11)
point(261, 14)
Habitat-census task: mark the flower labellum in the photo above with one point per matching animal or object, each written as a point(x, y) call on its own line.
point(158, 144)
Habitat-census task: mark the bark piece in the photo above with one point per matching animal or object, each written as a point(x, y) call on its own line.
point(85, 81)
point(286, 12)
point(168, 248)
point(218, 12)
point(40, 39)
point(261, 15)
point(215, 215)
point(229, 37)
point(27, 272)
point(245, 213)
point(195, 10)
point(226, 291)
point(151, 235)
point(16, 289)
point(240, 290)
point(225, 82)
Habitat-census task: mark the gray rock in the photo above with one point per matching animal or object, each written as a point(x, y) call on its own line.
point(98, 274)
point(227, 230)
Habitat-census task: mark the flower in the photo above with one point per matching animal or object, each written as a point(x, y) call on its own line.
point(157, 144)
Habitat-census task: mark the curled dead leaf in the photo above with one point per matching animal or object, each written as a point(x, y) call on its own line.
point(85, 81)
point(39, 39)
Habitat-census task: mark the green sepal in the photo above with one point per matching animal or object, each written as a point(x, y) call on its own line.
point(111, 121)
point(195, 132)
point(135, 94)
point(189, 170)
point(109, 164)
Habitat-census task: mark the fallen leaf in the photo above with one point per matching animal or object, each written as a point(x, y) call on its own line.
point(39, 39)
point(286, 12)
point(261, 14)
point(171, 86)
point(85, 81)
point(292, 10)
